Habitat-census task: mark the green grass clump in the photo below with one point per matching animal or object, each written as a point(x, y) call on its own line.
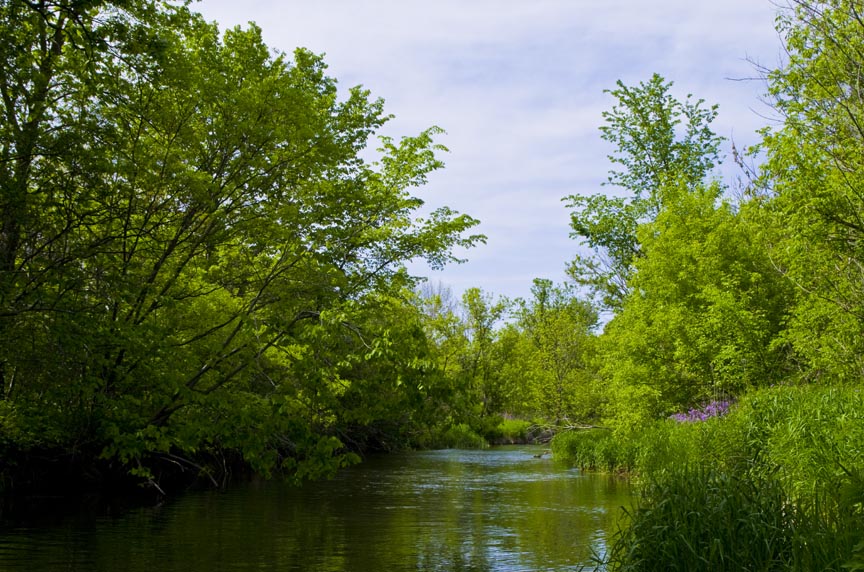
point(704, 519)
point(699, 518)
point(592, 449)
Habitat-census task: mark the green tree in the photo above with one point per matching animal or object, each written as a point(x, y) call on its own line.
point(659, 142)
point(482, 314)
point(814, 175)
point(551, 365)
point(187, 232)
point(705, 316)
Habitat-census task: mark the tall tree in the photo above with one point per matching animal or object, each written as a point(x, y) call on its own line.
point(660, 142)
point(552, 364)
point(481, 316)
point(815, 171)
point(182, 213)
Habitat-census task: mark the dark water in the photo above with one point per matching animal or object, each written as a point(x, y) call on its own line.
point(499, 509)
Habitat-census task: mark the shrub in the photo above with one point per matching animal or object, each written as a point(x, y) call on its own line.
point(514, 430)
point(461, 436)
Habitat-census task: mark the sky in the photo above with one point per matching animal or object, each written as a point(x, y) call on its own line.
point(518, 86)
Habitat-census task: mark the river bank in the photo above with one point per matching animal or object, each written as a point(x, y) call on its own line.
point(778, 482)
point(33, 480)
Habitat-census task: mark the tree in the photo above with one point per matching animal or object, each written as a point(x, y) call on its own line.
point(187, 231)
point(552, 365)
point(815, 173)
point(660, 142)
point(481, 316)
point(705, 317)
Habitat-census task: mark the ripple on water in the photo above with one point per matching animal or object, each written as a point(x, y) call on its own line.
point(493, 510)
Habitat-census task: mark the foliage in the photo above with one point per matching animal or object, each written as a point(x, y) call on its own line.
point(660, 143)
point(481, 316)
point(456, 436)
point(813, 176)
point(593, 449)
point(537, 365)
point(194, 257)
point(794, 448)
point(466, 355)
point(704, 320)
point(704, 520)
point(515, 430)
point(698, 518)
point(700, 309)
point(552, 349)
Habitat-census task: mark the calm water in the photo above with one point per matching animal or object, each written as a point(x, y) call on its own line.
point(499, 509)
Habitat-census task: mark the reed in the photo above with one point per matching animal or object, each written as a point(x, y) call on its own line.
point(703, 519)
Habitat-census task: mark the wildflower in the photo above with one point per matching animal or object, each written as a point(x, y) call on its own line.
point(712, 409)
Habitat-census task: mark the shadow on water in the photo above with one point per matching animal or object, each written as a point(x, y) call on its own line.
point(493, 510)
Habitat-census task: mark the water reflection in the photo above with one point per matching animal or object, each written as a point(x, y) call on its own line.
point(496, 510)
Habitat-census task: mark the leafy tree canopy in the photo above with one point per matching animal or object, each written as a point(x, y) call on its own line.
point(190, 239)
point(660, 143)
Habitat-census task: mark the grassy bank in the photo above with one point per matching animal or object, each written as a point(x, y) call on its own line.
point(775, 484)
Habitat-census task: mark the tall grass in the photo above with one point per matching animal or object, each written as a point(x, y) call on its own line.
point(703, 519)
point(777, 484)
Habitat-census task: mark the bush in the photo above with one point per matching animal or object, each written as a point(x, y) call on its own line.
point(458, 436)
point(514, 430)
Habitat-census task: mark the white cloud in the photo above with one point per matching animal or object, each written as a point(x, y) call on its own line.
point(518, 85)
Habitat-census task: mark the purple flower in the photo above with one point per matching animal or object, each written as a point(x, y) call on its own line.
point(712, 409)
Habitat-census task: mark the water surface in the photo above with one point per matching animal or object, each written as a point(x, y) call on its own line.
point(493, 510)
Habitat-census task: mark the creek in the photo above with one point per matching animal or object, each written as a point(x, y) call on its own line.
point(500, 509)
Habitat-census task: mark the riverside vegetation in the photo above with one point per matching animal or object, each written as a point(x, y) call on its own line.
point(202, 273)
point(732, 368)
